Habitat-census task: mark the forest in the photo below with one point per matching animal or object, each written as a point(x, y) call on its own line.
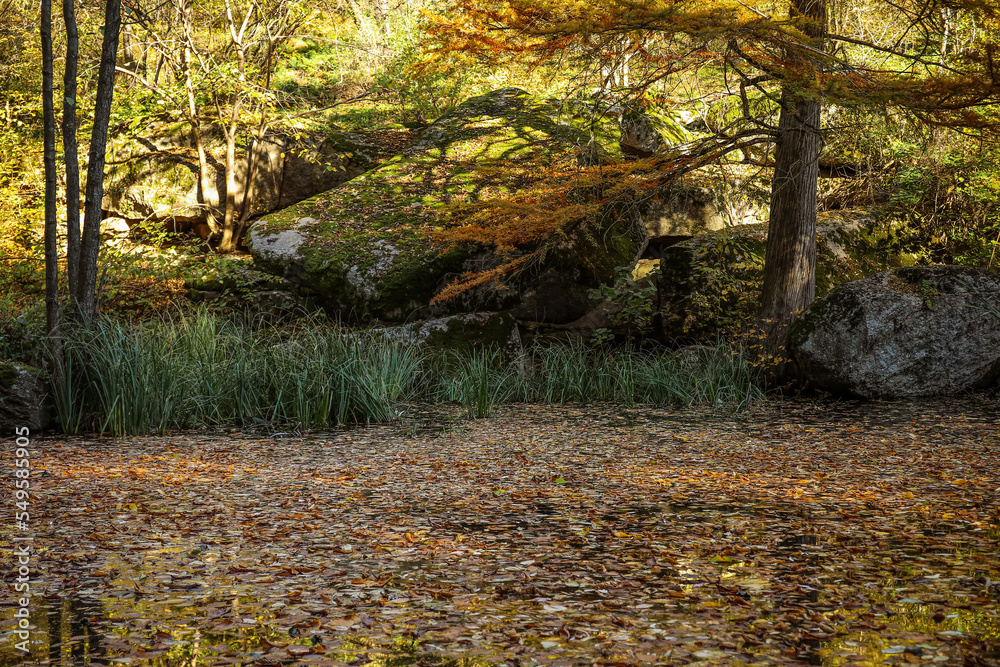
point(447, 332)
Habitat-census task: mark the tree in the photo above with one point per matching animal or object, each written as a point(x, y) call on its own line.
point(256, 37)
point(220, 59)
point(82, 248)
point(70, 146)
point(790, 259)
point(777, 63)
point(90, 242)
point(51, 177)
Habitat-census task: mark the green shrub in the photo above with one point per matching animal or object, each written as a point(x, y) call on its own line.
point(949, 199)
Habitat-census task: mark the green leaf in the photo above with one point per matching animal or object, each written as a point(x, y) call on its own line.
point(70, 101)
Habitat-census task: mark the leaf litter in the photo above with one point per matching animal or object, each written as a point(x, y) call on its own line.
point(798, 533)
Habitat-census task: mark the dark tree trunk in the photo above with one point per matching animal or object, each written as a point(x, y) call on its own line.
point(49, 158)
point(91, 241)
point(790, 259)
point(70, 147)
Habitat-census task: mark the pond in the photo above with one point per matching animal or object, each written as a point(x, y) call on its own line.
point(797, 533)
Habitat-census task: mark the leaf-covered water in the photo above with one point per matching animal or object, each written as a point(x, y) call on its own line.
point(799, 533)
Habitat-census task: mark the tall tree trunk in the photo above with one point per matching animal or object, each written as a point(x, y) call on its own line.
point(205, 177)
point(230, 235)
point(249, 197)
point(90, 245)
point(790, 258)
point(49, 158)
point(205, 185)
point(70, 146)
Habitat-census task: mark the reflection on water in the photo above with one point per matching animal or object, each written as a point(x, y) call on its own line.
point(220, 629)
point(927, 632)
point(61, 634)
point(72, 632)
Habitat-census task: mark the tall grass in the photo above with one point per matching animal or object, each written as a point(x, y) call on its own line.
point(202, 370)
point(479, 380)
point(562, 373)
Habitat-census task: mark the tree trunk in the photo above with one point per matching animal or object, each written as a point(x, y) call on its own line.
point(91, 242)
point(790, 258)
point(229, 240)
point(70, 147)
point(230, 236)
point(204, 175)
point(246, 203)
point(49, 158)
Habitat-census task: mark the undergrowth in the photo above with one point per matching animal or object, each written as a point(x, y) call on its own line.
point(203, 370)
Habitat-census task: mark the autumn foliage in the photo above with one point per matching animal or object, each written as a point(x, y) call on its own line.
point(934, 63)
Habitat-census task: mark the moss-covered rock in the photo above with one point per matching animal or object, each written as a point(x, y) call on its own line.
point(366, 248)
point(711, 283)
point(913, 331)
point(8, 376)
point(22, 399)
point(679, 210)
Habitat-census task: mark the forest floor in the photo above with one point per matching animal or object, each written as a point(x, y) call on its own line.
point(796, 533)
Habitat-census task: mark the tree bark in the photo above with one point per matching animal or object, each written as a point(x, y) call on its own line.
point(204, 175)
point(70, 152)
point(229, 236)
point(49, 159)
point(790, 258)
point(90, 244)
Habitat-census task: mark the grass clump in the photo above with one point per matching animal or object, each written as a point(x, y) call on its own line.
point(564, 373)
point(203, 370)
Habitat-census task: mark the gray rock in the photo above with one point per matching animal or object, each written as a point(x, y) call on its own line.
point(914, 331)
point(637, 136)
point(683, 212)
point(276, 302)
point(461, 333)
point(23, 395)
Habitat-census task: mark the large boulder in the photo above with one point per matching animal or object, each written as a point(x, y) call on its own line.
point(637, 135)
point(23, 395)
point(155, 177)
point(915, 331)
point(235, 285)
point(367, 249)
